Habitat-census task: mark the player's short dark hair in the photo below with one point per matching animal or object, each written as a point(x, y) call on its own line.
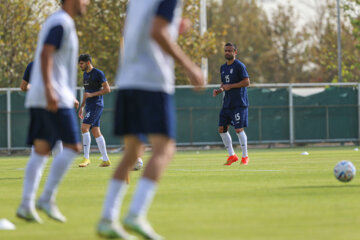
point(85, 58)
point(229, 44)
point(62, 1)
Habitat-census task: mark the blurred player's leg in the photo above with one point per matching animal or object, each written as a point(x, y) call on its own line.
point(243, 143)
point(33, 173)
point(163, 150)
point(108, 225)
point(59, 167)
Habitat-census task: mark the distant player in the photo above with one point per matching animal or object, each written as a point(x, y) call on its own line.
point(51, 100)
point(25, 85)
point(96, 86)
point(145, 106)
point(235, 79)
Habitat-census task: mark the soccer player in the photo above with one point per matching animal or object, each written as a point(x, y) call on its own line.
point(24, 86)
point(95, 85)
point(144, 106)
point(52, 115)
point(234, 80)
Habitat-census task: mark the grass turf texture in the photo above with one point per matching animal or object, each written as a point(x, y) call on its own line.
point(280, 195)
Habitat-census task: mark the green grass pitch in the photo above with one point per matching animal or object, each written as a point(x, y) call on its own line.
point(280, 195)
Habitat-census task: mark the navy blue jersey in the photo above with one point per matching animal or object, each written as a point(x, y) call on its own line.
point(234, 73)
point(27, 72)
point(93, 81)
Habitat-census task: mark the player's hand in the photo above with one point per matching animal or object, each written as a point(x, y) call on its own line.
point(76, 104)
point(80, 114)
point(226, 87)
point(87, 95)
point(184, 26)
point(196, 77)
point(52, 101)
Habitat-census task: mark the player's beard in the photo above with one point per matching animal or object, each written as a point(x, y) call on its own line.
point(229, 57)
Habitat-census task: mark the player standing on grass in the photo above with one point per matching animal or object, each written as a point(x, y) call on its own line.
point(96, 86)
point(144, 106)
point(234, 80)
point(52, 115)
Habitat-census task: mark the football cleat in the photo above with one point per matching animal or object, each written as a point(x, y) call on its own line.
point(140, 225)
point(231, 159)
point(109, 229)
point(244, 160)
point(28, 214)
point(105, 163)
point(51, 210)
point(85, 162)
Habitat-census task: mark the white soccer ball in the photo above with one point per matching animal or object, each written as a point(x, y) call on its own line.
point(138, 165)
point(344, 171)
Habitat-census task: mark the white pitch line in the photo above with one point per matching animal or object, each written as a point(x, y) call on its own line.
point(225, 170)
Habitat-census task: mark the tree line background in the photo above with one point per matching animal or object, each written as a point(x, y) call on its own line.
point(275, 48)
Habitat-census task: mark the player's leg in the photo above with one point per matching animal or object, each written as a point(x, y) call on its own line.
point(100, 140)
point(86, 139)
point(61, 163)
point(33, 174)
point(241, 121)
point(226, 137)
point(163, 149)
point(108, 225)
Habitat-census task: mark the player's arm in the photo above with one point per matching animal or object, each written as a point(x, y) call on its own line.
point(24, 86)
point(105, 90)
point(47, 61)
point(51, 44)
point(243, 83)
point(160, 34)
point(81, 108)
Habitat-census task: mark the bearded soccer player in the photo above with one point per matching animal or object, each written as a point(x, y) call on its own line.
point(234, 80)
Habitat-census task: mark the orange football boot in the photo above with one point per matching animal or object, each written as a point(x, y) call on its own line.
point(231, 159)
point(245, 160)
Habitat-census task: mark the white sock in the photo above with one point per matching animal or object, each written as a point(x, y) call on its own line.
point(102, 147)
point(57, 148)
point(243, 143)
point(143, 197)
point(86, 144)
point(59, 167)
point(227, 142)
point(114, 197)
point(33, 173)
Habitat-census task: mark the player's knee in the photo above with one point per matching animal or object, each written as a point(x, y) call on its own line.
point(84, 129)
point(239, 130)
point(221, 129)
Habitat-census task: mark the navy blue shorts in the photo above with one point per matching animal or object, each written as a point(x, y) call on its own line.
point(52, 127)
point(143, 112)
point(237, 117)
point(93, 114)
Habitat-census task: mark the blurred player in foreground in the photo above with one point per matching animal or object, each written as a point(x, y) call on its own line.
point(144, 106)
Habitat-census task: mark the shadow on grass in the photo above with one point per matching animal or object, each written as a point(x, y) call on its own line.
point(324, 186)
point(10, 178)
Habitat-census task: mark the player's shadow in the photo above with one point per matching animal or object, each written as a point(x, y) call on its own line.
point(323, 186)
point(9, 178)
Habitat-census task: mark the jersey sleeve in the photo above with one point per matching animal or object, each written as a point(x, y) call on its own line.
point(55, 36)
point(166, 9)
point(27, 72)
point(101, 77)
point(243, 72)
